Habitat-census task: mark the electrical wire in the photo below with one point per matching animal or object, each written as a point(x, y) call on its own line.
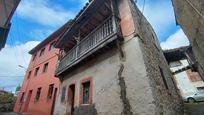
point(19, 39)
point(143, 7)
point(199, 13)
point(11, 35)
point(11, 76)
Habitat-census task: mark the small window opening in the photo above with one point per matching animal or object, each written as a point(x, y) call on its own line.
point(86, 92)
point(50, 91)
point(37, 97)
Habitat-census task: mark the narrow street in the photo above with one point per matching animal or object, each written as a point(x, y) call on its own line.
point(194, 109)
point(101, 57)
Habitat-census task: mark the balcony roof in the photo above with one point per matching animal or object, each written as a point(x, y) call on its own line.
point(81, 18)
point(53, 36)
point(176, 54)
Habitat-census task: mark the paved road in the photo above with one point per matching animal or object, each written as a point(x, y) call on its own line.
point(194, 109)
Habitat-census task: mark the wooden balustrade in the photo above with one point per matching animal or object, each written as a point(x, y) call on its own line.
point(99, 36)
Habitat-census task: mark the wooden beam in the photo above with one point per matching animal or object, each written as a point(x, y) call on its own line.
point(97, 20)
point(107, 6)
point(101, 14)
point(84, 18)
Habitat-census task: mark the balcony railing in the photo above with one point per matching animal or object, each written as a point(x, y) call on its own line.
point(102, 35)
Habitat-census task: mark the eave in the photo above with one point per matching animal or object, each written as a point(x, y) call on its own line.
point(80, 20)
point(176, 54)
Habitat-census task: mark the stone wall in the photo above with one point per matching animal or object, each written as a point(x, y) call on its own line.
point(166, 99)
point(190, 16)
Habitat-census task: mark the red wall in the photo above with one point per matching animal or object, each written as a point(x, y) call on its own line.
point(43, 105)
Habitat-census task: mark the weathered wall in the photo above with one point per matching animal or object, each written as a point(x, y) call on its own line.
point(108, 87)
point(121, 91)
point(105, 84)
point(139, 91)
point(167, 99)
point(190, 15)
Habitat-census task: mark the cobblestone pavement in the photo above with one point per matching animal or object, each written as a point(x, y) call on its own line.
point(194, 108)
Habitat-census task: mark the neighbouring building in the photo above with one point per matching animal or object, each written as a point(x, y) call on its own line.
point(40, 86)
point(7, 8)
point(187, 78)
point(111, 63)
point(190, 16)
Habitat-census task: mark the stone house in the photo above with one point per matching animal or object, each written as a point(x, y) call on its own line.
point(111, 63)
point(190, 16)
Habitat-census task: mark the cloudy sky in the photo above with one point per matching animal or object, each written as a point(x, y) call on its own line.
point(34, 20)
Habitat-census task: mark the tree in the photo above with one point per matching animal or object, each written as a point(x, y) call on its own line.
point(6, 98)
point(6, 102)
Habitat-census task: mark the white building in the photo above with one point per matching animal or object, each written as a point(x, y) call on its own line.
point(187, 79)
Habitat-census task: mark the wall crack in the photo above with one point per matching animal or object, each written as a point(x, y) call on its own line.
point(123, 92)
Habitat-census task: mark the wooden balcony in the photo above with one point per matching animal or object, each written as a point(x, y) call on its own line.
point(103, 34)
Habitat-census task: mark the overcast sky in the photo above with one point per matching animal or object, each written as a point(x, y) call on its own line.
point(34, 20)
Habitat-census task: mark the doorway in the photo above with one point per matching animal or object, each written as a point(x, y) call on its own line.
point(28, 101)
point(53, 103)
point(71, 97)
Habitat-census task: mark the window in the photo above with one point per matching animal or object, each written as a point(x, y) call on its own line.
point(45, 67)
point(52, 45)
point(22, 97)
point(163, 78)
point(37, 97)
point(86, 92)
point(175, 64)
point(42, 51)
point(193, 76)
point(29, 75)
point(34, 56)
point(37, 71)
point(63, 94)
point(50, 91)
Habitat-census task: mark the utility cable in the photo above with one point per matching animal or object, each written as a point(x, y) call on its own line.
point(143, 7)
point(19, 39)
point(12, 42)
point(199, 13)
